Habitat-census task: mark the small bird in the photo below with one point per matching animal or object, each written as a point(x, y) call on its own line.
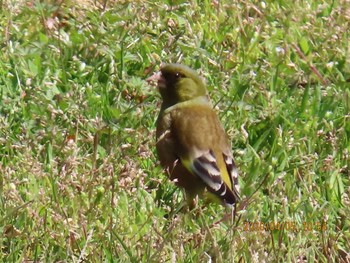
point(192, 145)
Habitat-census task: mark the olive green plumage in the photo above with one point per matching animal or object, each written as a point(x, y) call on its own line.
point(192, 145)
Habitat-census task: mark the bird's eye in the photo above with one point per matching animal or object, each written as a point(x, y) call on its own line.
point(178, 75)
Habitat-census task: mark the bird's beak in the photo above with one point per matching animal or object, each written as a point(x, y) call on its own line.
point(157, 78)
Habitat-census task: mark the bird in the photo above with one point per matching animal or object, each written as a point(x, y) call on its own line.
point(191, 143)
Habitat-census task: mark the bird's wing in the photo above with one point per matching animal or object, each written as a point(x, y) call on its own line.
point(204, 150)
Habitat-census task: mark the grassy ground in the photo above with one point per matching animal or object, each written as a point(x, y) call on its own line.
point(79, 178)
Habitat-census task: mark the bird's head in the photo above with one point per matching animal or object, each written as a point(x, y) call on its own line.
point(178, 83)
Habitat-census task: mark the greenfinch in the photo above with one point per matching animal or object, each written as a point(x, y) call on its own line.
point(191, 143)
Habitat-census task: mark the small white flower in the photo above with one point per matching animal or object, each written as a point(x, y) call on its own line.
point(280, 51)
point(330, 64)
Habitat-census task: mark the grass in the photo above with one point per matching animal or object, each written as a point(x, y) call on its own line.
point(79, 177)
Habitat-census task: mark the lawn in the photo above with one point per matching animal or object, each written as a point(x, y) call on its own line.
point(79, 176)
